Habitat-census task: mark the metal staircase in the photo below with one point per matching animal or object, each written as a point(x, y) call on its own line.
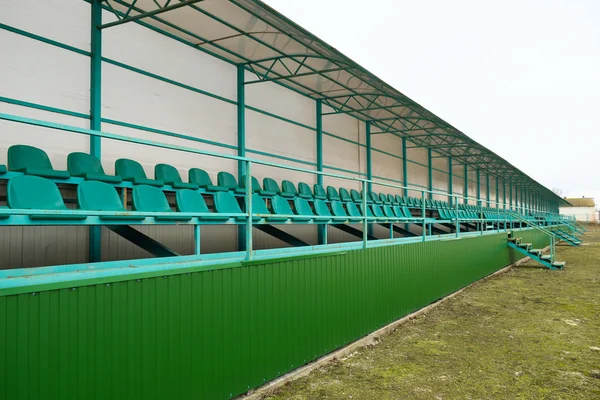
point(547, 260)
point(567, 237)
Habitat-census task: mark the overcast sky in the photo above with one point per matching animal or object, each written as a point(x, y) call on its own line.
point(521, 77)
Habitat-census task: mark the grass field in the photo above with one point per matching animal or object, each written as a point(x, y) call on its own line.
point(526, 334)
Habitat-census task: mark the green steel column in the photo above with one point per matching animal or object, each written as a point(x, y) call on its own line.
point(404, 167)
point(241, 142)
point(321, 229)
point(430, 172)
point(497, 192)
point(478, 187)
point(504, 193)
point(369, 166)
point(510, 195)
point(487, 189)
point(450, 179)
point(95, 240)
point(466, 185)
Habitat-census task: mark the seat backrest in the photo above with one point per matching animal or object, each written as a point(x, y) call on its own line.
point(345, 195)
point(226, 203)
point(383, 197)
point(356, 197)
point(281, 206)
point(304, 189)
point(271, 185)
point(258, 205)
point(322, 209)
point(387, 210)
point(391, 199)
point(332, 193)
point(302, 206)
point(227, 180)
point(129, 169)
point(338, 209)
point(369, 211)
point(190, 201)
point(407, 212)
point(98, 196)
point(21, 156)
point(80, 164)
point(255, 185)
point(377, 211)
point(373, 197)
point(199, 177)
point(149, 199)
point(319, 191)
point(353, 210)
point(289, 187)
point(166, 173)
point(398, 212)
point(33, 192)
point(399, 199)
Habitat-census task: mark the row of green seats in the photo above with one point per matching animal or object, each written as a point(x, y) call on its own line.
point(31, 192)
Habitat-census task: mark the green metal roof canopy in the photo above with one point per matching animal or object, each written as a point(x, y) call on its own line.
point(250, 33)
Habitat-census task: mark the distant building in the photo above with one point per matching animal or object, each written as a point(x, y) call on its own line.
point(583, 209)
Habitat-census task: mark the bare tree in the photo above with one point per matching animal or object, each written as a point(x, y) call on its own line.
point(558, 191)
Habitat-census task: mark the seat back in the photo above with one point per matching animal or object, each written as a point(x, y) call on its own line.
point(190, 201)
point(356, 197)
point(398, 212)
point(377, 211)
point(337, 208)
point(383, 198)
point(399, 200)
point(319, 191)
point(227, 180)
point(304, 189)
point(374, 197)
point(281, 206)
point(302, 206)
point(226, 203)
point(34, 192)
point(199, 177)
point(80, 164)
point(149, 199)
point(322, 209)
point(345, 195)
point(407, 212)
point(255, 185)
point(258, 205)
point(129, 169)
point(289, 187)
point(353, 210)
point(391, 199)
point(369, 211)
point(332, 193)
point(98, 196)
point(387, 210)
point(167, 173)
point(21, 156)
point(271, 185)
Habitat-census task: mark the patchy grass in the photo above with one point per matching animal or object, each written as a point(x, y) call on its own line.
point(526, 334)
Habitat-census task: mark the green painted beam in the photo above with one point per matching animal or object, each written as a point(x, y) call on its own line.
point(466, 184)
point(241, 142)
point(429, 173)
point(321, 229)
point(404, 166)
point(450, 181)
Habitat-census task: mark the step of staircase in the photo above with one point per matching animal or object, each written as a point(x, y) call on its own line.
point(559, 264)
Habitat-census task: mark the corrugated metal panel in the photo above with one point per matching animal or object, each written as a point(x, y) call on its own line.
point(215, 334)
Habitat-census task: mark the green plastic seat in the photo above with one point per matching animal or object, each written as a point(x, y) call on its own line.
point(33, 161)
point(383, 198)
point(357, 197)
point(282, 207)
point(338, 211)
point(374, 197)
point(100, 196)
point(170, 176)
point(133, 171)
point(377, 211)
point(404, 201)
point(406, 212)
point(443, 214)
point(227, 180)
point(353, 211)
point(319, 192)
point(345, 195)
point(288, 189)
point(398, 211)
point(369, 211)
point(256, 187)
point(226, 203)
point(2, 169)
point(148, 198)
point(388, 212)
point(332, 194)
point(323, 211)
point(305, 191)
point(201, 178)
point(260, 207)
point(191, 201)
point(303, 208)
point(392, 200)
point(271, 185)
point(30, 192)
point(88, 167)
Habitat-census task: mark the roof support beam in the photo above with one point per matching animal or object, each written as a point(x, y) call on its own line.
point(148, 13)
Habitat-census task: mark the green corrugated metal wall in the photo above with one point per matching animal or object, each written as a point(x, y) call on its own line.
point(215, 334)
